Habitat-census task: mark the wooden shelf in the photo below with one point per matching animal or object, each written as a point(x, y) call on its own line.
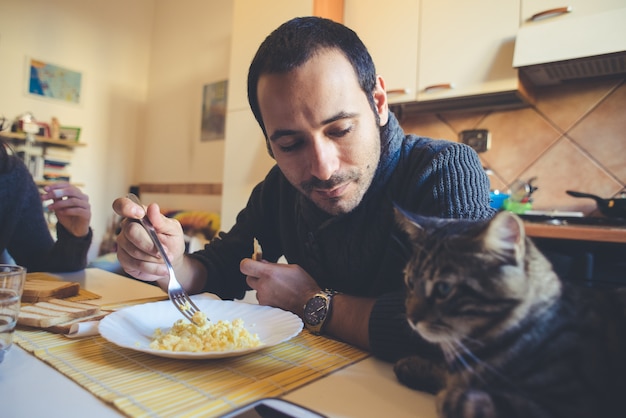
point(43, 183)
point(42, 139)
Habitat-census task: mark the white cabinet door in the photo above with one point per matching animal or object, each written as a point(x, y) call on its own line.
point(466, 48)
point(253, 20)
point(544, 11)
point(567, 45)
point(389, 30)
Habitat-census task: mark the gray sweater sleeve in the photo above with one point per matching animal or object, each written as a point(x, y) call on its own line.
point(444, 180)
point(391, 337)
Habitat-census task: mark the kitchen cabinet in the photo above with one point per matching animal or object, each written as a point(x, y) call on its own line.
point(563, 41)
point(546, 11)
point(592, 260)
point(466, 48)
point(443, 54)
point(43, 146)
point(390, 32)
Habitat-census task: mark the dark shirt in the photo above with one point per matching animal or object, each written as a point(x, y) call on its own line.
point(363, 252)
point(24, 231)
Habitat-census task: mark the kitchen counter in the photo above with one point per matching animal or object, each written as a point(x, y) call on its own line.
point(576, 232)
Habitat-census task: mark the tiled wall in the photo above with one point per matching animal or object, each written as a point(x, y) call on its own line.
point(572, 138)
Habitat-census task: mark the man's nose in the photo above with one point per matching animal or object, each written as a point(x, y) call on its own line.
point(325, 159)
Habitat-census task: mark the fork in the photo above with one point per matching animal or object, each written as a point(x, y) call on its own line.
point(175, 291)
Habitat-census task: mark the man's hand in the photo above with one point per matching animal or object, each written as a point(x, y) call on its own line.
point(289, 287)
point(285, 286)
point(135, 250)
point(71, 207)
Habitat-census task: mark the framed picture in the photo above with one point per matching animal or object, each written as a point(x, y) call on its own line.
point(71, 133)
point(214, 97)
point(51, 81)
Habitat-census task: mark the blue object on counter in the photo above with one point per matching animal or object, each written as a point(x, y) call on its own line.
point(497, 199)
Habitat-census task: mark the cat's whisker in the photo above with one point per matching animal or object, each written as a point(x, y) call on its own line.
point(456, 356)
point(473, 341)
point(484, 364)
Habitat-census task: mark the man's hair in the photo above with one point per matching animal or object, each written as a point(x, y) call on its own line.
point(294, 42)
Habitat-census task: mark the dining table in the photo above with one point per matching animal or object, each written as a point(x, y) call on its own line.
point(46, 374)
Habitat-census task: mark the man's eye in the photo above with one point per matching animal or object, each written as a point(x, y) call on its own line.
point(290, 147)
point(340, 132)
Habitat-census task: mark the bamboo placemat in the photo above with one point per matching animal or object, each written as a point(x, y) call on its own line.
point(142, 385)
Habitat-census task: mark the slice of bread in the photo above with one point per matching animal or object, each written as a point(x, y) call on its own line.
point(36, 290)
point(54, 312)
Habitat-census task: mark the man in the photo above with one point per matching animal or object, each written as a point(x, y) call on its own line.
point(342, 162)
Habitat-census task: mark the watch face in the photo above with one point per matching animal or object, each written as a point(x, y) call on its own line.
point(315, 310)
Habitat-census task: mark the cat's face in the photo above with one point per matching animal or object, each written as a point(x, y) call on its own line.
point(465, 279)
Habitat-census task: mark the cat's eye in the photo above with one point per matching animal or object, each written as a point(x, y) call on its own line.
point(441, 290)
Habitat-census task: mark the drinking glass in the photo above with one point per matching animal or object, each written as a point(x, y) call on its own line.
point(12, 279)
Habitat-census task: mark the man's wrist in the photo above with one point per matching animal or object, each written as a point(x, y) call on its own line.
point(318, 310)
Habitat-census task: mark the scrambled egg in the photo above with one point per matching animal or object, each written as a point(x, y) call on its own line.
point(205, 336)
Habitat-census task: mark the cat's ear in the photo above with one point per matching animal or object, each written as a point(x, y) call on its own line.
point(408, 223)
point(506, 235)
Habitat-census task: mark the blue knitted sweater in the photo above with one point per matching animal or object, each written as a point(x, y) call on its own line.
point(363, 252)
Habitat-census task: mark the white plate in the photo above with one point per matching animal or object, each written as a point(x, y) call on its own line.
point(134, 326)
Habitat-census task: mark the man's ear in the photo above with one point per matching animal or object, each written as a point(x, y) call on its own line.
point(380, 99)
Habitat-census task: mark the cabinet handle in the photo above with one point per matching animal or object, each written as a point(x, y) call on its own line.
point(442, 86)
point(397, 91)
point(546, 13)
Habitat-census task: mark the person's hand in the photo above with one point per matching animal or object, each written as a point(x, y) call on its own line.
point(136, 252)
point(71, 207)
point(285, 286)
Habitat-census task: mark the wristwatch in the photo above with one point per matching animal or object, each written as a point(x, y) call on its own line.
point(317, 310)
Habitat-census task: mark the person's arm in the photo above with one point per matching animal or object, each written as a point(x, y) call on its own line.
point(30, 242)
point(390, 334)
point(289, 287)
point(350, 318)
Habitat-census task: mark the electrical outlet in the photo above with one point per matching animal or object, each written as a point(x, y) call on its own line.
point(479, 139)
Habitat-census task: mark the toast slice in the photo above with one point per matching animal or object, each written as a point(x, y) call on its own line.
point(39, 290)
point(258, 251)
point(54, 312)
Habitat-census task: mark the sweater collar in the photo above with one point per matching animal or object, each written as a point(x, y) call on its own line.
point(391, 138)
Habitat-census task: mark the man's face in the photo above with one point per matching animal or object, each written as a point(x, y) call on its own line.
point(322, 130)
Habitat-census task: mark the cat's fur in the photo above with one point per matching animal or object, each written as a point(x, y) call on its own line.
point(517, 340)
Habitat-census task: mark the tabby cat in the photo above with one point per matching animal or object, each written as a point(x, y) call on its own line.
point(517, 341)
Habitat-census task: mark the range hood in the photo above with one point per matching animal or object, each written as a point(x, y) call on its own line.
point(572, 48)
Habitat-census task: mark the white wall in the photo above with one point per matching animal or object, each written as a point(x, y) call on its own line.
point(144, 63)
point(109, 42)
point(246, 160)
point(190, 48)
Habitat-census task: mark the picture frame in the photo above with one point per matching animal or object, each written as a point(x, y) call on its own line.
point(50, 81)
point(214, 101)
point(69, 133)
